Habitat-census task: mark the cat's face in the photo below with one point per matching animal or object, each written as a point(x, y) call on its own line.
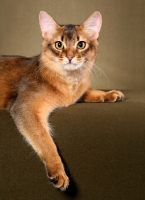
point(70, 46)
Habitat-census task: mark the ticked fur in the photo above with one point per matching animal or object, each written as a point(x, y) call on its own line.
point(31, 88)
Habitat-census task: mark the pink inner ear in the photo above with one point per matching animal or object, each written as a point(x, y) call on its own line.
point(98, 21)
point(47, 24)
point(93, 25)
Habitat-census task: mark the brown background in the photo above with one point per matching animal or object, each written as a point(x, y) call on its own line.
point(121, 43)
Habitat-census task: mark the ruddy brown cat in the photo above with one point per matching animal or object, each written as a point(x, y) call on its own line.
point(31, 88)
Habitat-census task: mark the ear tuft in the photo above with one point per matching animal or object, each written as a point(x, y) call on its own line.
point(47, 24)
point(93, 25)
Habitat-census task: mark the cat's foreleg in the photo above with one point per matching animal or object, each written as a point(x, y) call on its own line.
point(101, 96)
point(31, 119)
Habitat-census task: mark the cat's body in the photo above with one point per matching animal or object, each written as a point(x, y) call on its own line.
point(31, 88)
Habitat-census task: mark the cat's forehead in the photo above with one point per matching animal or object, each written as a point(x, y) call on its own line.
point(71, 32)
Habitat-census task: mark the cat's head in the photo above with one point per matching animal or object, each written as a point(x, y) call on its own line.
point(70, 46)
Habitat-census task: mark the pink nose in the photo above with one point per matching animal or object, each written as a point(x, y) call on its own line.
point(70, 57)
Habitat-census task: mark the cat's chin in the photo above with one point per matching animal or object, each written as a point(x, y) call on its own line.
point(71, 66)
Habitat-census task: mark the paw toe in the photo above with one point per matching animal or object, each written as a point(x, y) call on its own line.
point(60, 181)
point(114, 96)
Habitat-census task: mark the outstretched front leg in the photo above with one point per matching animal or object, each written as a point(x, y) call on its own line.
point(101, 96)
point(30, 114)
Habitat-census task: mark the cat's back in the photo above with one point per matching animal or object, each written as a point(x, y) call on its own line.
point(15, 62)
point(15, 66)
point(12, 70)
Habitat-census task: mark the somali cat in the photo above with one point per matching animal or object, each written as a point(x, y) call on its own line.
point(31, 88)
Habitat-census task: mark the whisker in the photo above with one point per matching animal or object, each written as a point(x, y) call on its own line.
point(41, 67)
point(100, 70)
point(94, 72)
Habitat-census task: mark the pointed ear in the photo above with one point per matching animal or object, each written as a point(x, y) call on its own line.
point(92, 25)
point(47, 24)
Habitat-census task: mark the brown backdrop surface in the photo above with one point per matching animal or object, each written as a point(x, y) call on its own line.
point(121, 42)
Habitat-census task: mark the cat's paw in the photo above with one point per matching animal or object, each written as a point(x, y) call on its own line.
point(59, 179)
point(113, 96)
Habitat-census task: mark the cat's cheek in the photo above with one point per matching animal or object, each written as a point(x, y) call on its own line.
point(64, 61)
point(76, 61)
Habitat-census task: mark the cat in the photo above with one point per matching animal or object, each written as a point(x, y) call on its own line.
point(31, 88)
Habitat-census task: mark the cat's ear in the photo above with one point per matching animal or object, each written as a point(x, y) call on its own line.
point(93, 24)
point(47, 24)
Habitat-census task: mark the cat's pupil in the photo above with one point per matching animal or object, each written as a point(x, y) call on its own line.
point(80, 44)
point(59, 44)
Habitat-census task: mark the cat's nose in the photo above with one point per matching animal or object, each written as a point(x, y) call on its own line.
point(70, 57)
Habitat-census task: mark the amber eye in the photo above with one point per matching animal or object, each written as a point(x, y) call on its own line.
point(59, 45)
point(81, 45)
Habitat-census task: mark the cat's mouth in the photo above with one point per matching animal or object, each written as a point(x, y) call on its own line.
point(72, 66)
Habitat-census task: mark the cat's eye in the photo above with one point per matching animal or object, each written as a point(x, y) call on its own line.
point(81, 45)
point(59, 45)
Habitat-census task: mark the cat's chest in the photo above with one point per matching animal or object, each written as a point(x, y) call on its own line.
point(68, 90)
point(73, 86)
point(74, 90)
